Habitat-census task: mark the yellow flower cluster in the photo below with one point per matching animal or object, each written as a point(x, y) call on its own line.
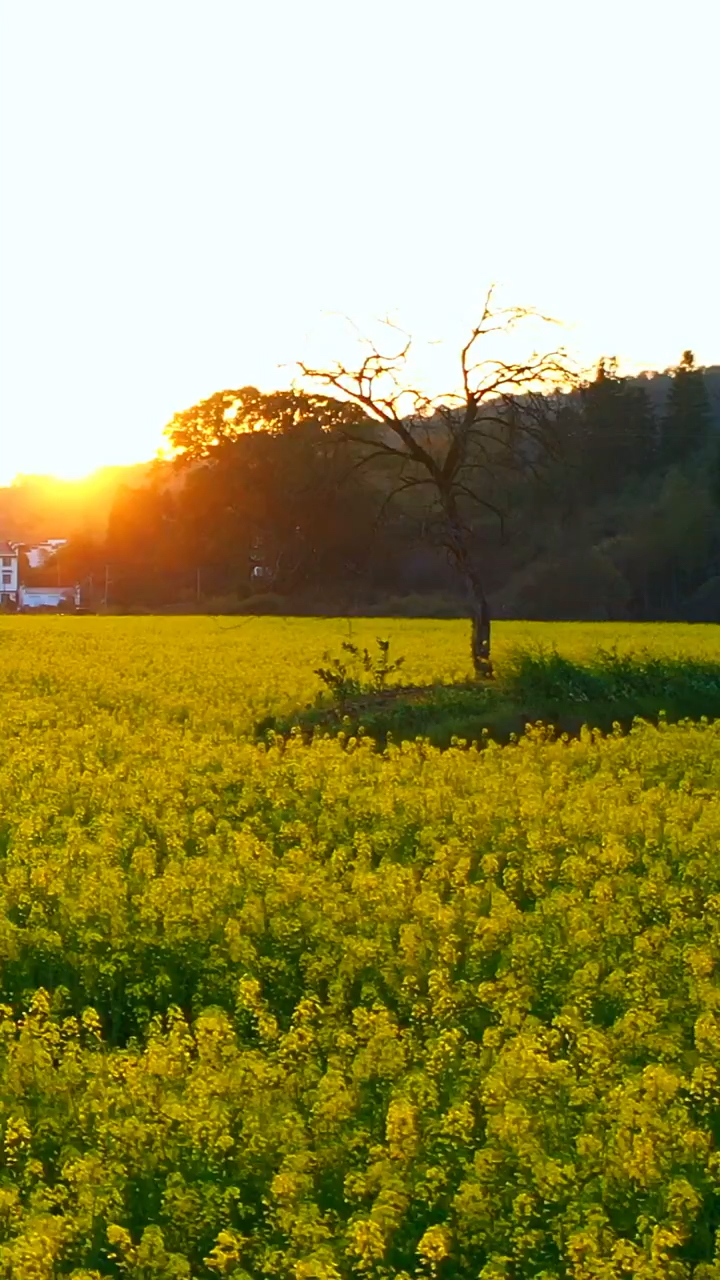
point(307, 1012)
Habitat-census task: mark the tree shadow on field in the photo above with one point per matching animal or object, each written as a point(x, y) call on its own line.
point(535, 687)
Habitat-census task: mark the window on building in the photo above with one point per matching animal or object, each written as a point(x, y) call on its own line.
point(6, 562)
point(7, 578)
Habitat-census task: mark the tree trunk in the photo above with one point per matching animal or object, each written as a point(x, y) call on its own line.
point(480, 617)
point(479, 608)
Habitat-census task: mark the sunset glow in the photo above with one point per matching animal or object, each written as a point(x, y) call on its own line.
point(272, 170)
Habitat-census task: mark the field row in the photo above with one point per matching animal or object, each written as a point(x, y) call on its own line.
point(319, 1011)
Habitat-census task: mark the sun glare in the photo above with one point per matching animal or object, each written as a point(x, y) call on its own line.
point(70, 473)
point(73, 473)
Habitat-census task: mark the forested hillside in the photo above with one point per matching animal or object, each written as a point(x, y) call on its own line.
point(269, 505)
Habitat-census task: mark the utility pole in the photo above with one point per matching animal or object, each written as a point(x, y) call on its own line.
point(197, 584)
point(107, 584)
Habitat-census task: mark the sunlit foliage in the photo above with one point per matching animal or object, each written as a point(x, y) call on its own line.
point(320, 1011)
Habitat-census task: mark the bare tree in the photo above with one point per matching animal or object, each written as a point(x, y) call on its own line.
point(498, 421)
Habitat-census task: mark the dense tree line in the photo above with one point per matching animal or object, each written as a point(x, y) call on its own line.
point(270, 502)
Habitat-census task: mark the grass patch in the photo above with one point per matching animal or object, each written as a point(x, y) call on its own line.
point(534, 685)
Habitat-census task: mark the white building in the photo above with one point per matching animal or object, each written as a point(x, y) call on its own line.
point(48, 598)
point(41, 552)
point(9, 576)
point(15, 595)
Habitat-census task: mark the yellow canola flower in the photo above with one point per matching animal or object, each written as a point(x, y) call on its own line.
point(316, 1010)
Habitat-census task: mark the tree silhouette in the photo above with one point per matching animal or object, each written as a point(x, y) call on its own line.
point(688, 415)
point(460, 446)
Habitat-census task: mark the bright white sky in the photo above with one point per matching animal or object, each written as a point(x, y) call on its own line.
point(192, 190)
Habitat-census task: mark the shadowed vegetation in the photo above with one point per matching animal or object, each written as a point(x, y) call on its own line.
point(537, 685)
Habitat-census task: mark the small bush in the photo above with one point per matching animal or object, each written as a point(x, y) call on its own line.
point(642, 682)
point(359, 673)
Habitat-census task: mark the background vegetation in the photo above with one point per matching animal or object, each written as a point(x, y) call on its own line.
point(621, 521)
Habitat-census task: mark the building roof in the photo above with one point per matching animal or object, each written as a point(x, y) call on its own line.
point(47, 591)
point(7, 549)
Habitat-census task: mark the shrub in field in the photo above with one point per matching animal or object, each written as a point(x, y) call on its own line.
point(355, 671)
point(641, 681)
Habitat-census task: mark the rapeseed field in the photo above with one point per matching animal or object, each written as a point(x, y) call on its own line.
point(316, 1011)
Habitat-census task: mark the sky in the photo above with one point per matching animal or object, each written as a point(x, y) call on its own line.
point(195, 194)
